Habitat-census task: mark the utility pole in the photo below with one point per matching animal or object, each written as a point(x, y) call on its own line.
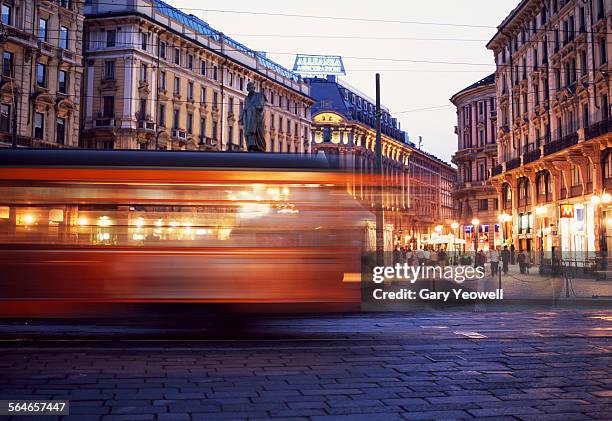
point(380, 238)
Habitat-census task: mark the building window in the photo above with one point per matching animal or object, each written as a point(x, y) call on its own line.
point(202, 95)
point(175, 119)
point(162, 115)
point(162, 49)
point(483, 204)
point(190, 91)
point(108, 106)
point(215, 100)
point(7, 64)
point(41, 75)
point(162, 80)
point(177, 56)
point(144, 40)
point(5, 118)
point(142, 112)
point(39, 125)
point(177, 86)
point(202, 127)
point(190, 123)
point(190, 62)
point(62, 81)
point(215, 75)
point(111, 38)
point(603, 51)
point(63, 39)
point(109, 70)
point(42, 29)
point(607, 164)
point(60, 131)
point(203, 67)
point(143, 73)
point(7, 14)
point(214, 130)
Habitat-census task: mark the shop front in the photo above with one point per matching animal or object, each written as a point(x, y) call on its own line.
point(577, 230)
point(489, 235)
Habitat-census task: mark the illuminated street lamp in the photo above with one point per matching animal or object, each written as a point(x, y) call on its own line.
point(475, 222)
point(596, 200)
point(454, 226)
point(541, 211)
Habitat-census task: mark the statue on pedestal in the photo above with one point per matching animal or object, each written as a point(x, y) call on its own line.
point(252, 119)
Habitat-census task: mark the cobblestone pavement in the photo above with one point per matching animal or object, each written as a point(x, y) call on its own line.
point(524, 365)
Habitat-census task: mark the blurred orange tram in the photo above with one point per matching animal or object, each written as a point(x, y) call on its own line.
point(79, 227)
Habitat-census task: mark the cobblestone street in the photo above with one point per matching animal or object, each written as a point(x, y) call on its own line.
point(524, 365)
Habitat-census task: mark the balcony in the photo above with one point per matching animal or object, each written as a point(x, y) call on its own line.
point(208, 141)
point(66, 56)
point(513, 163)
point(105, 122)
point(179, 134)
point(145, 125)
point(497, 170)
point(532, 156)
point(598, 129)
point(561, 144)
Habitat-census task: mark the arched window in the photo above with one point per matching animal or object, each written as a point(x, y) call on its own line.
point(506, 196)
point(523, 191)
point(607, 165)
point(544, 187)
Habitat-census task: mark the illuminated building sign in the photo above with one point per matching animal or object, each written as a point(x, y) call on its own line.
point(567, 211)
point(312, 65)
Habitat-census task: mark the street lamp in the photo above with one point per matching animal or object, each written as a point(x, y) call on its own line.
point(454, 227)
point(596, 200)
point(541, 211)
point(475, 222)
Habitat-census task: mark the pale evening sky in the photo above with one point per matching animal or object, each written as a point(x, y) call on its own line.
point(404, 85)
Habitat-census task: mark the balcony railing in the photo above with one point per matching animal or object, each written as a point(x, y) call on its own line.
point(497, 170)
point(146, 125)
point(560, 144)
point(598, 129)
point(179, 134)
point(513, 163)
point(531, 156)
point(105, 122)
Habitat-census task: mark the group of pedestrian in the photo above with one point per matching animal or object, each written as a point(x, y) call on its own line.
point(507, 257)
point(420, 256)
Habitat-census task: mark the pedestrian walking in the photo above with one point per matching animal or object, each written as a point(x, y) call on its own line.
point(494, 259)
point(522, 262)
point(505, 256)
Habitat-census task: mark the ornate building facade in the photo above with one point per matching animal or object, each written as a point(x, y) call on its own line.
point(159, 78)
point(553, 122)
point(41, 43)
point(475, 197)
point(417, 185)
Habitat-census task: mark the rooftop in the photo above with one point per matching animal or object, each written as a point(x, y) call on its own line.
point(199, 26)
point(489, 80)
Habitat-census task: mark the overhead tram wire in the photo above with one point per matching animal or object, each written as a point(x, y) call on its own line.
point(340, 18)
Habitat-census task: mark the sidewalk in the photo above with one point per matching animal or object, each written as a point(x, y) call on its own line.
point(536, 286)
